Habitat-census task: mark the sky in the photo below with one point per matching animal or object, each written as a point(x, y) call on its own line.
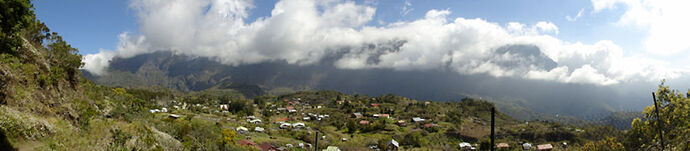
point(597, 42)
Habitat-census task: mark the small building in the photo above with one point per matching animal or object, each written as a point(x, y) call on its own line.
point(258, 129)
point(357, 115)
point(418, 119)
point(241, 129)
point(290, 107)
point(401, 123)
point(332, 148)
point(224, 107)
point(292, 110)
point(300, 145)
point(544, 147)
point(174, 116)
point(254, 121)
point(306, 118)
point(502, 146)
point(282, 119)
point(298, 125)
point(465, 146)
point(374, 105)
point(527, 146)
point(429, 125)
point(427, 103)
point(164, 110)
point(363, 122)
point(392, 145)
point(285, 125)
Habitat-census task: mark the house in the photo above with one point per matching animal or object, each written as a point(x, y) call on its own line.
point(544, 147)
point(174, 116)
point(332, 148)
point(241, 129)
point(281, 109)
point(465, 146)
point(285, 125)
point(527, 146)
point(427, 103)
point(224, 107)
point(418, 119)
point(292, 110)
point(357, 115)
point(363, 122)
point(289, 145)
point(401, 122)
point(430, 125)
point(306, 118)
point(246, 143)
point(502, 146)
point(265, 146)
point(254, 121)
point(290, 107)
point(392, 145)
point(374, 105)
point(164, 110)
point(300, 145)
point(344, 139)
point(298, 125)
point(282, 119)
point(381, 115)
point(258, 129)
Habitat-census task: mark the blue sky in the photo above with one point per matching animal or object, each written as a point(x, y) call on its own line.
point(602, 42)
point(94, 25)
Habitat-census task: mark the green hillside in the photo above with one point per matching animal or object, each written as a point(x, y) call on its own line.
point(45, 104)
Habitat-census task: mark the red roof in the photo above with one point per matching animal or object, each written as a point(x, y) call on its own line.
point(282, 119)
point(429, 125)
point(246, 142)
point(290, 107)
point(363, 122)
point(265, 146)
point(384, 115)
point(375, 105)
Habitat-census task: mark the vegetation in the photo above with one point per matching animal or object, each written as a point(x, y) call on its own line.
point(46, 105)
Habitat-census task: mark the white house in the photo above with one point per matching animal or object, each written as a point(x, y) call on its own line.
point(241, 129)
point(298, 125)
point(285, 125)
point(418, 119)
point(258, 129)
point(254, 121)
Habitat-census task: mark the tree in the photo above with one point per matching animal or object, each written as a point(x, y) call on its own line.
point(229, 136)
point(674, 117)
point(15, 16)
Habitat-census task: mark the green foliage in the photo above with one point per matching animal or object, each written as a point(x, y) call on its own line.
point(415, 139)
point(673, 120)
point(608, 144)
point(15, 16)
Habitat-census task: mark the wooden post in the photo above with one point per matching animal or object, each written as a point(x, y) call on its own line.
point(493, 137)
point(658, 121)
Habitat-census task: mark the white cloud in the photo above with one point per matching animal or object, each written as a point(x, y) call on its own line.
point(579, 14)
point(665, 20)
point(306, 31)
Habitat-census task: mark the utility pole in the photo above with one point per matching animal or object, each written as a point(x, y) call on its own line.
point(493, 136)
point(316, 143)
point(658, 121)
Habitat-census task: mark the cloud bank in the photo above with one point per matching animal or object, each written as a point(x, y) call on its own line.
point(305, 32)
